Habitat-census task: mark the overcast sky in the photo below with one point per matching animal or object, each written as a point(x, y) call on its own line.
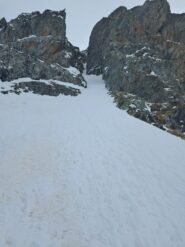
point(82, 15)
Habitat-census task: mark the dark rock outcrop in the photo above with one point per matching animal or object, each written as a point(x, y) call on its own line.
point(35, 45)
point(141, 55)
point(41, 88)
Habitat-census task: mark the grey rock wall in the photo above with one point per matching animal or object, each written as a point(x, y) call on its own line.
point(141, 52)
point(35, 45)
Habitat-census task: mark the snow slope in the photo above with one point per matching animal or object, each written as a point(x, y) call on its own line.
point(79, 172)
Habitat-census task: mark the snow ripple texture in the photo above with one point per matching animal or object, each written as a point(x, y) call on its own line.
point(78, 172)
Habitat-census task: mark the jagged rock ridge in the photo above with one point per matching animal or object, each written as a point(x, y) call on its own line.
point(141, 54)
point(35, 46)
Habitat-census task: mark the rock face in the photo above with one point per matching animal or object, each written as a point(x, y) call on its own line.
point(141, 55)
point(35, 45)
point(41, 88)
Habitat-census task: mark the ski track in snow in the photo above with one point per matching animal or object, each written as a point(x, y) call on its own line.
point(79, 172)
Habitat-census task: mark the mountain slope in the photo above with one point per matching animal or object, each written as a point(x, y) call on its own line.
point(78, 172)
point(140, 53)
point(34, 45)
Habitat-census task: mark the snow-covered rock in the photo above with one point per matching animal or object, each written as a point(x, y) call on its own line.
point(148, 41)
point(31, 43)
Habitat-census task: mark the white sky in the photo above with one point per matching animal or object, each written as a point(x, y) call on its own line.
point(82, 15)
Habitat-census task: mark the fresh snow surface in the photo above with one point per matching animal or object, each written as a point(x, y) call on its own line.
point(73, 70)
point(153, 73)
point(28, 37)
point(79, 172)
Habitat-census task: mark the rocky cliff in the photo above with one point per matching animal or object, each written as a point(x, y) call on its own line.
point(141, 54)
point(35, 46)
